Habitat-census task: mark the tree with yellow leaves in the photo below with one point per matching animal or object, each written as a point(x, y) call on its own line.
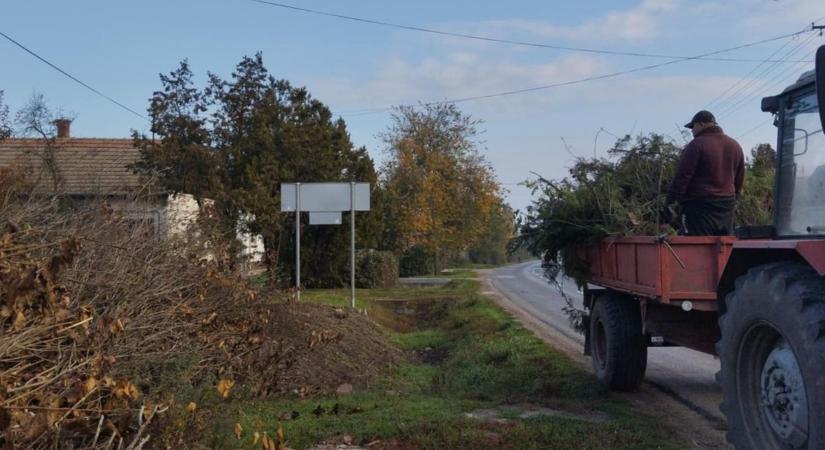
point(439, 191)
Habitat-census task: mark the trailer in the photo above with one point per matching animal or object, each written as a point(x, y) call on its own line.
point(757, 301)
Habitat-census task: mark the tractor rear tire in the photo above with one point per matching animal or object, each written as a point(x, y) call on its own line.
point(618, 348)
point(772, 354)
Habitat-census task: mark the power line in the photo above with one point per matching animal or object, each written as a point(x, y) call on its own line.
point(72, 77)
point(497, 40)
point(745, 77)
point(754, 128)
point(777, 80)
point(580, 80)
point(745, 94)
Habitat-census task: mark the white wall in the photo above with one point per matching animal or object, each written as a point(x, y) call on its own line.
point(182, 211)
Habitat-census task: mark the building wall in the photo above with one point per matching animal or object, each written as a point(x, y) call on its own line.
point(181, 213)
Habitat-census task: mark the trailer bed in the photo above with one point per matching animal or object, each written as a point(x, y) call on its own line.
point(668, 270)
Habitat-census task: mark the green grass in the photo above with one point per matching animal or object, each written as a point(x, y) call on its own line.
point(488, 361)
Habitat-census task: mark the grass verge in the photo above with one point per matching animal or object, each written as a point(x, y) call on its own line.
point(479, 380)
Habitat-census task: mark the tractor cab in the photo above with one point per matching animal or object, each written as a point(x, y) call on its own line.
point(799, 111)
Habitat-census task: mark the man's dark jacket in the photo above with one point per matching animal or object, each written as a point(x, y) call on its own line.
point(712, 165)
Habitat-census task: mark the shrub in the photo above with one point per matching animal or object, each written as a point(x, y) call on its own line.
point(415, 262)
point(95, 311)
point(375, 269)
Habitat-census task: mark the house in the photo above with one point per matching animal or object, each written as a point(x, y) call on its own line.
point(99, 169)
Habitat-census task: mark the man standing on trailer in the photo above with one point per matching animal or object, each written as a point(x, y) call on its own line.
point(708, 180)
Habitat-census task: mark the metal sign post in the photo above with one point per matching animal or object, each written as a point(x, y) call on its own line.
point(324, 202)
point(298, 242)
point(352, 240)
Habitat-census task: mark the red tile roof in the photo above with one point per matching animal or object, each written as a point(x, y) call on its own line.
point(84, 166)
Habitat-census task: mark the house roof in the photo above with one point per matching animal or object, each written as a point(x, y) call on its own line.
point(81, 166)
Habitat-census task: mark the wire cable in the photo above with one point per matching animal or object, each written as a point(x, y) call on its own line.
point(72, 77)
point(743, 94)
point(496, 40)
point(577, 81)
point(779, 79)
point(719, 97)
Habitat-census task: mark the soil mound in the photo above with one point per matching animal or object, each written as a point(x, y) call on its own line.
point(313, 349)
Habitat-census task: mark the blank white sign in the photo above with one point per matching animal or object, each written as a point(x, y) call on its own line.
point(325, 218)
point(325, 197)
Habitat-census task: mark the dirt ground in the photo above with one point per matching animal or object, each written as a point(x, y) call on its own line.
point(671, 414)
point(317, 349)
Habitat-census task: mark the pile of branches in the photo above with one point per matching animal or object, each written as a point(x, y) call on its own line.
point(622, 195)
point(94, 312)
point(619, 195)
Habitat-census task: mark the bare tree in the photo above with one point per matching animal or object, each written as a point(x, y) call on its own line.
point(36, 120)
point(5, 125)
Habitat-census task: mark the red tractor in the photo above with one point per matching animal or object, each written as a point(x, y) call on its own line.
point(756, 300)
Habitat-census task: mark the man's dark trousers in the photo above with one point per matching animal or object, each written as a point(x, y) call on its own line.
point(708, 216)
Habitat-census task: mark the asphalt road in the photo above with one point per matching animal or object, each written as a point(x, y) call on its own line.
point(684, 374)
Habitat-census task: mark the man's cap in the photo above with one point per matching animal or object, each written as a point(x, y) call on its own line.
point(701, 117)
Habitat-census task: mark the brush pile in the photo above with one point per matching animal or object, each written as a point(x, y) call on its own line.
point(110, 335)
point(95, 315)
point(620, 196)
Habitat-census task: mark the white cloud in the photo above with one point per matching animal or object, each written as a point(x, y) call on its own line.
point(769, 17)
point(642, 22)
point(452, 76)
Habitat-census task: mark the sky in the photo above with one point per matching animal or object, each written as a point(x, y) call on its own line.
point(120, 48)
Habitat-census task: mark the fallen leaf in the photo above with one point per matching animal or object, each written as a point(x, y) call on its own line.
point(148, 410)
point(238, 430)
point(19, 321)
point(191, 407)
point(125, 389)
point(280, 435)
point(255, 438)
point(268, 443)
point(89, 385)
point(224, 386)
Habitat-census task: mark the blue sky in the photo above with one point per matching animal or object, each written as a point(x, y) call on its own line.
point(120, 47)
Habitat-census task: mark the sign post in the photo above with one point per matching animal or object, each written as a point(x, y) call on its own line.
point(325, 202)
point(298, 242)
point(352, 241)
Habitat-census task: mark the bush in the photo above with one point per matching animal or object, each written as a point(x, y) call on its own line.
point(95, 310)
point(375, 269)
point(416, 262)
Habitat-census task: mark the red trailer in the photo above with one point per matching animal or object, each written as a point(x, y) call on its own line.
point(757, 301)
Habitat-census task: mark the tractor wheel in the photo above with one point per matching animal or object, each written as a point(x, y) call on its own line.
point(773, 359)
point(618, 348)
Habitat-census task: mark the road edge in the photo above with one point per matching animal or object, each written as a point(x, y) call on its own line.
point(685, 422)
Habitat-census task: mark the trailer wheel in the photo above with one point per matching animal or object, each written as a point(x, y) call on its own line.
point(773, 359)
point(619, 351)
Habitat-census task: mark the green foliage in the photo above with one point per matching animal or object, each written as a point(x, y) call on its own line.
point(499, 229)
point(755, 204)
point(375, 269)
point(622, 195)
point(416, 261)
point(236, 140)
